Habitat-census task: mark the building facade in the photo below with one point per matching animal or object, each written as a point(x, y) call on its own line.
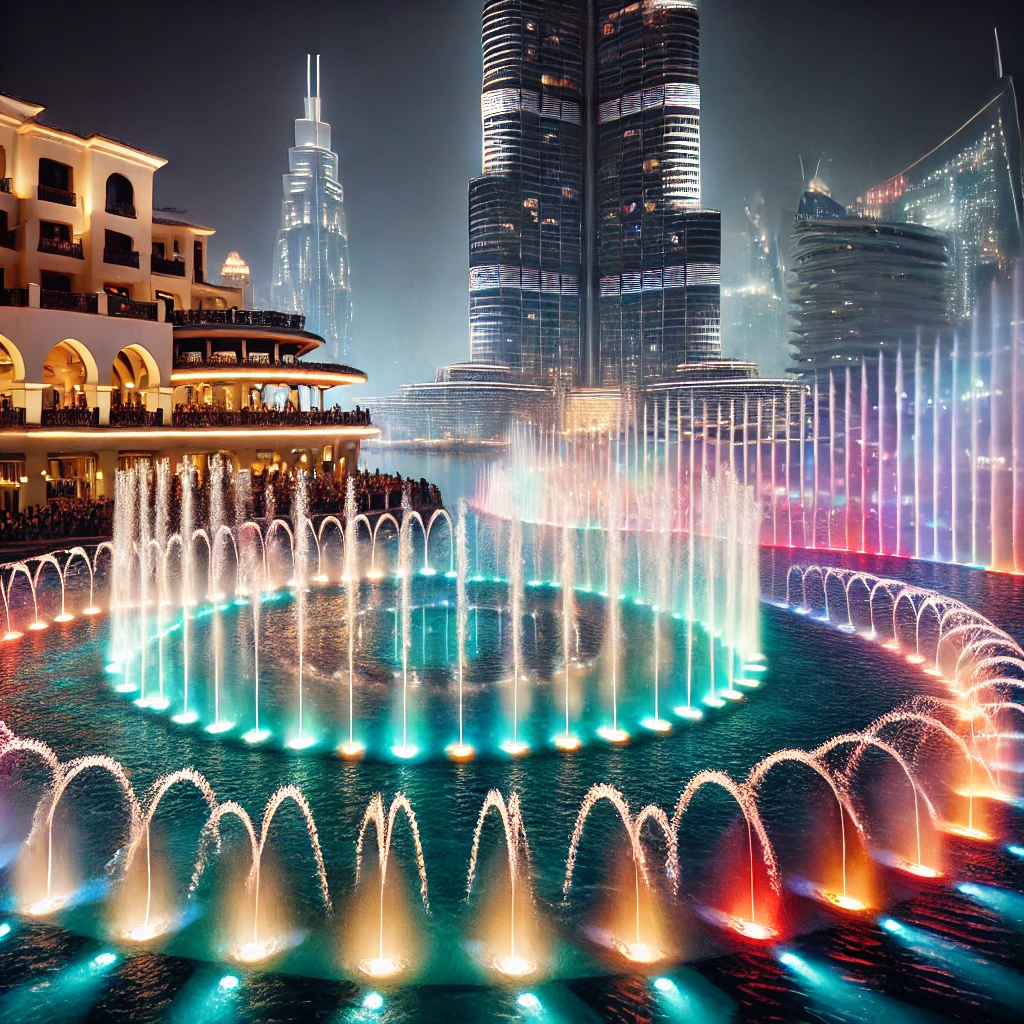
point(970, 188)
point(312, 275)
point(591, 257)
point(234, 273)
point(113, 346)
point(858, 287)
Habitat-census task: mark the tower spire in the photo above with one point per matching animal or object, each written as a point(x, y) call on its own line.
point(999, 54)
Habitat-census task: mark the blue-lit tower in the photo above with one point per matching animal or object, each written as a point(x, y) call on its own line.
point(311, 264)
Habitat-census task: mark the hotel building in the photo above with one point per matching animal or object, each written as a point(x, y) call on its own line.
point(113, 346)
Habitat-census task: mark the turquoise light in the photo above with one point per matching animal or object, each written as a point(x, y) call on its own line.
point(528, 1001)
point(104, 960)
point(373, 1001)
point(664, 984)
point(5, 930)
point(228, 983)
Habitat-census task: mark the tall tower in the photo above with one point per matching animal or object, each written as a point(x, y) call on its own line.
point(591, 256)
point(311, 264)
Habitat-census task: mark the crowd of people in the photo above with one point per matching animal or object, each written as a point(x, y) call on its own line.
point(58, 519)
point(198, 415)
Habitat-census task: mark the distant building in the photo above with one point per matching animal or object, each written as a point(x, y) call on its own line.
point(969, 187)
point(859, 287)
point(754, 302)
point(311, 263)
point(591, 258)
point(234, 273)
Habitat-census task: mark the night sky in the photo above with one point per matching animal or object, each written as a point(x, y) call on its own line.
point(214, 88)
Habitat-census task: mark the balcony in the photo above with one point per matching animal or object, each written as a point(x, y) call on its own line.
point(169, 268)
point(12, 417)
point(68, 302)
point(117, 305)
point(270, 418)
point(121, 209)
point(70, 418)
point(59, 247)
point(135, 416)
point(49, 194)
point(6, 186)
point(121, 258)
point(239, 317)
point(13, 296)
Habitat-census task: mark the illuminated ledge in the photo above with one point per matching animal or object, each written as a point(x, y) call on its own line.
point(267, 375)
point(181, 435)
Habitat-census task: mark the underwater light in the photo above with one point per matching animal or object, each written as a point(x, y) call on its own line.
point(618, 737)
point(514, 966)
point(639, 952)
point(126, 687)
point(751, 929)
point(460, 751)
point(42, 908)
point(528, 1001)
point(966, 832)
point(841, 900)
point(215, 728)
point(253, 952)
point(567, 743)
point(405, 751)
point(382, 966)
point(185, 718)
point(11, 635)
point(515, 748)
point(657, 725)
point(254, 736)
point(300, 743)
point(5, 930)
point(1016, 851)
point(63, 617)
point(145, 932)
point(451, 574)
point(890, 925)
point(228, 983)
point(90, 611)
point(714, 702)
point(37, 626)
point(373, 1001)
point(731, 694)
point(664, 984)
point(428, 571)
point(690, 713)
point(104, 959)
point(351, 750)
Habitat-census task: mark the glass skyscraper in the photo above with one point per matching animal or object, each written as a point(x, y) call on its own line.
point(968, 187)
point(591, 258)
point(311, 263)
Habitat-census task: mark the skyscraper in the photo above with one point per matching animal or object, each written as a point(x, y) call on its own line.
point(311, 264)
point(590, 255)
point(970, 188)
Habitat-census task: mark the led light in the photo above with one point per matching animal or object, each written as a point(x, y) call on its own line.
point(890, 925)
point(657, 725)
point(253, 952)
point(5, 930)
point(639, 952)
point(528, 1001)
point(664, 984)
point(689, 713)
point(567, 743)
point(146, 932)
point(228, 983)
point(300, 743)
point(104, 960)
point(617, 737)
point(514, 966)
point(515, 748)
point(216, 728)
point(405, 752)
point(351, 750)
point(185, 718)
point(373, 1001)
point(459, 751)
point(382, 966)
point(254, 736)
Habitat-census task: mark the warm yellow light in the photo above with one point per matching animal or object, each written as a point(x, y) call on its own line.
point(99, 474)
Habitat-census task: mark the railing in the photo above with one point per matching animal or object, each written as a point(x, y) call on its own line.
point(57, 195)
point(11, 417)
point(121, 209)
point(183, 363)
point(240, 317)
point(6, 186)
point(69, 302)
point(13, 296)
point(58, 247)
point(8, 240)
point(169, 268)
point(135, 416)
point(121, 257)
point(70, 418)
point(117, 305)
point(270, 418)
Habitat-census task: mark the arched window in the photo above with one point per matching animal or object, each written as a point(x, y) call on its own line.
point(120, 196)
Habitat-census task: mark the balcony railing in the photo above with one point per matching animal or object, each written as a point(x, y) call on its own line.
point(13, 296)
point(239, 317)
point(59, 247)
point(270, 418)
point(117, 305)
point(11, 417)
point(70, 418)
point(6, 186)
point(57, 195)
point(135, 416)
point(220, 360)
point(121, 209)
point(169, 268)
point(69, 302)
point(121, 258)
point(8, 240)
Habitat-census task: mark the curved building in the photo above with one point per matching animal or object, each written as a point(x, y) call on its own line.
point(311, 264)
point(859, 287)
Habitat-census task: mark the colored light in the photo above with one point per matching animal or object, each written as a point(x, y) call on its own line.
point(514, 966)
point(528, 1001)
point(373, 1001)
point(382, 966)
point(104, 960)
point(664, 984)
point(5, 930)
point(228, 983)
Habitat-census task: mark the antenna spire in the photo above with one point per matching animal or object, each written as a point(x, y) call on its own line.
point(999, 55)
point(309, 91)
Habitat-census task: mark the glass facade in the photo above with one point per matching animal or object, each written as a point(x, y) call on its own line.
point(590, 256)
point(970, 188)
point(311, 263)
